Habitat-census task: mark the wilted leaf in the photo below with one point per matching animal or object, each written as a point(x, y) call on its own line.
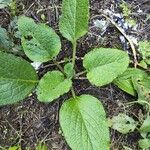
point(123, 123)
point(124, 81)
point(83, 121)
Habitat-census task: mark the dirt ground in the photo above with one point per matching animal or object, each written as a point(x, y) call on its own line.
point(31, 121)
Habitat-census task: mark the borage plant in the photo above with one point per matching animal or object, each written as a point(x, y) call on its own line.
point(82, 118)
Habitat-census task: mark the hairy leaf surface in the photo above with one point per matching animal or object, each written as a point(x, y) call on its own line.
point(103, 65)
point(73, 23)
point(83, 121)
point(40, 42)
point(17, 78)
point(52, 86)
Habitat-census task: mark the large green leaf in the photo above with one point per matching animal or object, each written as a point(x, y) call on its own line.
point(17, 78)
point(52, 86)
point(40, 42)
point(83, 121)
point(104, 65)
point(74, 20)
point(124, 81)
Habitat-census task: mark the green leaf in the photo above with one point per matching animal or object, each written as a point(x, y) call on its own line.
point(124, 81)
point(142, 86)
point(146, 125)
point(69, 70)
point(26, 26)
point(52, 86)
point(41, 146)
point(143, 64)
point(123, 123)
point(15, 148)
point(5, 43)
point(40, 42)
point(73, 23)
point(4, 3)
point(83, 121)
point(104, 65)
point(144, 143)
point(17, 79)
point(145, 50)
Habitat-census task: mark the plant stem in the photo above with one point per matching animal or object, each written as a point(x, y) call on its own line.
point(74, 43)
point(73, 92)
point(80, 73)
point(142, 102)
point(59, 67)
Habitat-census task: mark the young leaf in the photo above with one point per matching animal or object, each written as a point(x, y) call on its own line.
point(123, 123)
point(144, 143)
point(69, 70)
point(83, 122)
point(52, 86)
point(104, 65)
point(146, 125)
point(17, 79)
point(73, 23)
point(40, 42)
point(124, 81)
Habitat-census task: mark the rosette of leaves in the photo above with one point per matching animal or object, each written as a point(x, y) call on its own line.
point(82, 118)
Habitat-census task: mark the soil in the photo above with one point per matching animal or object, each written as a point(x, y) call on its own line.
point(30, 121)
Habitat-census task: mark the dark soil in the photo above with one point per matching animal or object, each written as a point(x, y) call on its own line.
point(31, 121)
